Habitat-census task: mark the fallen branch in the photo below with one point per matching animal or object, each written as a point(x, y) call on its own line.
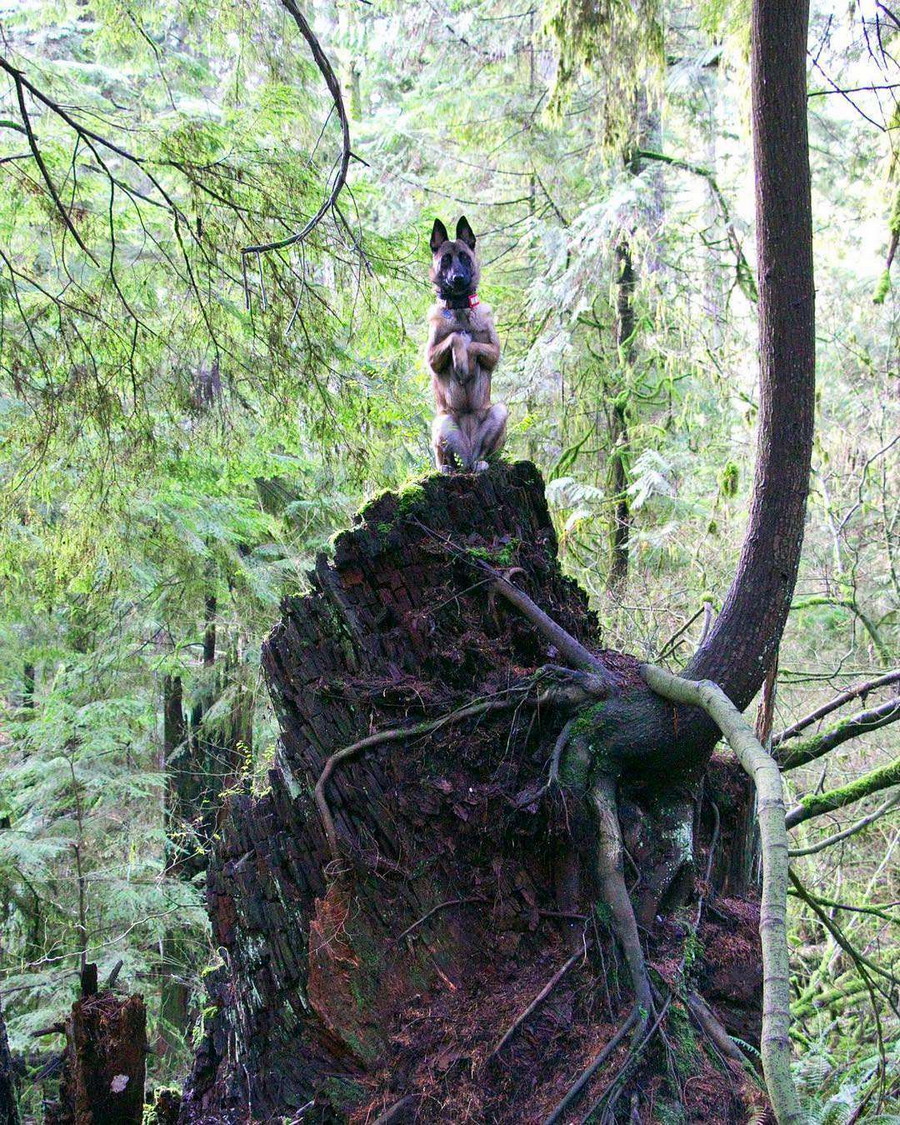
point(775, 1044)
point(535, 1003)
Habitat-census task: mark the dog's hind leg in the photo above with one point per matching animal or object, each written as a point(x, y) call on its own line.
point(452, 449)
point(490, 435)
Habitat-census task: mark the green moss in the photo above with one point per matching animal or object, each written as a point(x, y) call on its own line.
point(500, 556)
point(409, 498)
point(575, 767)
point(603, 913)
point(693, 950)
point(729, 478)
point(585, 724)
point(683, 1040)
point(883, 288)
point(343, 1093)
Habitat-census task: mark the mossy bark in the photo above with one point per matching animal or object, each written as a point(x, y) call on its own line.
point(9, 1114)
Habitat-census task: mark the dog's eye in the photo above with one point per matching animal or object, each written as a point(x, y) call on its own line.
point(464, 258)
point(445, 262)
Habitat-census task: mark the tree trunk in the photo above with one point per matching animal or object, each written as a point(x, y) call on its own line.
point(619, 441)
point(744, 639)
point(9, 1114)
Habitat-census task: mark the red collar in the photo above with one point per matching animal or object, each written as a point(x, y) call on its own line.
point(468, 302)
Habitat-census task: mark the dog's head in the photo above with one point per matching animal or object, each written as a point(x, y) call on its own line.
point(454, 266)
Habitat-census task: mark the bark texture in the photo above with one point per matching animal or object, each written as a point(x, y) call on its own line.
point(9, 1114)
point(744, 639)
point(105, 1063)
point(385, 978)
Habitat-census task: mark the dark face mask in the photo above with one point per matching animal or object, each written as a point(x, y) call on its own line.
point(455, 274)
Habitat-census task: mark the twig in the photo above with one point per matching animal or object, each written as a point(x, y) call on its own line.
point(635, 1019)
point(535, 1003)
point(572, 650)
point(434, 910)
point(334, 88)
point(670, 643)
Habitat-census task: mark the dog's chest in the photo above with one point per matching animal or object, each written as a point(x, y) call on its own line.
point(465, 320)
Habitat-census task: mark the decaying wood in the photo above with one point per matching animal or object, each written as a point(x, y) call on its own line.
point(448, 831)
point(9, 1114)
point(105, 1062)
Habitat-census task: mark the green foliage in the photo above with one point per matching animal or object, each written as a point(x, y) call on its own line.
point(165, 449)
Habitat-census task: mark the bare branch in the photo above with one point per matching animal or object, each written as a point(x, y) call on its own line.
point(820, 744)
point(830, 841)
point(334, 87)
point(42, 167)
point(839, 700)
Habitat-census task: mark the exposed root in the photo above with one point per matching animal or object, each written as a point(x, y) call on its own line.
point(611, 875)
point(397, 1111)
point(639, 1041)
point(395, 734)
point(573, 650)
point(710, 1025)
point(568, 689)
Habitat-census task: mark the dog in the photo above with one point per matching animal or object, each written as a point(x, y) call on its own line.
point(463, 350)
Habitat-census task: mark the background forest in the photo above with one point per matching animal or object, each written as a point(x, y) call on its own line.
point(184, 426)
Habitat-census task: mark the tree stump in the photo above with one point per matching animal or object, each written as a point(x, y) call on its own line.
point(381, 981)
point(9, 1115)
point(105, 1063)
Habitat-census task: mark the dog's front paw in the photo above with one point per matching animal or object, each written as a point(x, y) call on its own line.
point(480, 466)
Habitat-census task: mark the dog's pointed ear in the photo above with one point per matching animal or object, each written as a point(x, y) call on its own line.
point(464, 233)
point(438, 236)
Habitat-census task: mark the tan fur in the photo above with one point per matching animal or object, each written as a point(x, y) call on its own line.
point(462, 351)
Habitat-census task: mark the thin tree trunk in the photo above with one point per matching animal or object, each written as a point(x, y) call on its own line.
point(28, 680)
point(617, 476)
point(9, 1114)
point(743, 640)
